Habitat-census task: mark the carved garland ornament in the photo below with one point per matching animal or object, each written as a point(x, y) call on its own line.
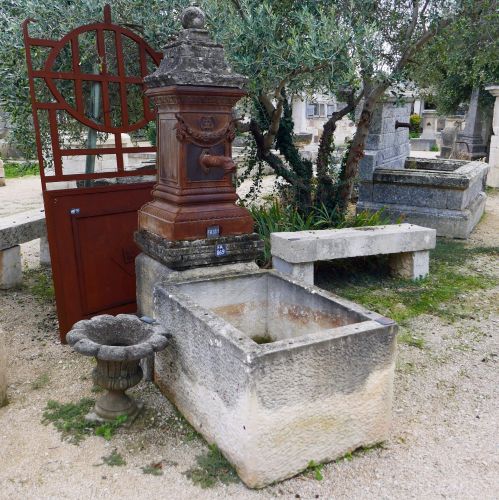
point(185, 133)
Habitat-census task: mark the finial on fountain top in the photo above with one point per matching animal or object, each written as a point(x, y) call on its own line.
point(193, 17)
point(193, 58)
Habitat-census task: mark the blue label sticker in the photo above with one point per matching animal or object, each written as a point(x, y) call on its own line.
point(221, 250)
point(213, 232)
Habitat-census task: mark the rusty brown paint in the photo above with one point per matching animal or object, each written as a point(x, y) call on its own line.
point(92, 251)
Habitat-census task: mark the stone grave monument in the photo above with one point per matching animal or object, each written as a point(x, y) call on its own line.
point(428, 136)
point(446, 195)
point(275, 372)
point(469, 142)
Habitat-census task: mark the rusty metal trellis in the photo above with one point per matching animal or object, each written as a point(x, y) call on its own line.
point(91, 215)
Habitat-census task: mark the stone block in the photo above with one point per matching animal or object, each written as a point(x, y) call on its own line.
point(275, 372)
point(449, 223)
point(411, 265)
point(301, 271)
point(44, 252)
point(11, 274)
point(421, 144)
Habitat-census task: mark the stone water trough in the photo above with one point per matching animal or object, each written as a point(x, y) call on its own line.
point(446, 195)
point(275, 372)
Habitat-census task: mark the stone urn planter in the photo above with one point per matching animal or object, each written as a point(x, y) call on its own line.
point(118, 344)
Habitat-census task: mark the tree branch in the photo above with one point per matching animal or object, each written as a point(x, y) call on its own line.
point(239, 9)
point(270, 158)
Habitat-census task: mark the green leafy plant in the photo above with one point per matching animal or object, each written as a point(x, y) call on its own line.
point(69, 420)
point(39, 283)
point(316, 469)
point(114, 459)
point(212, 468)
point(108, 429)
point(13, 169)
point(415, 124)
point(434, 148)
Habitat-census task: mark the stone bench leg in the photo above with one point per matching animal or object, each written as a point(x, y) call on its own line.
point(11, 274)
point(44, 252)
point(303, 271)
point(413, 265)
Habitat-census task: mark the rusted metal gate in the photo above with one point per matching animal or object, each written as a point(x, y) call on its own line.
point(89, 113)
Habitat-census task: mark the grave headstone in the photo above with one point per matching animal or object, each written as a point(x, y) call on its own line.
point(469, 142)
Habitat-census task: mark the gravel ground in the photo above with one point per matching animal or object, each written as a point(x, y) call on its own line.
point(444, 440)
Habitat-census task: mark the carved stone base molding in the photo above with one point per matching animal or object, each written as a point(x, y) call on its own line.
point(206, 252)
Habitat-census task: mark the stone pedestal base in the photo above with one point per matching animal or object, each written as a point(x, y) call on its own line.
point(11, 274)
point(180, 255)
point(493, 177)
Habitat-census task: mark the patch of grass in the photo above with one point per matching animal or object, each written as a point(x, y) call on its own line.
point(114, 459)
point(362, 450)
point(180, 425)
point(367, 281)
point(39, 283)
point(15, 169)
point(40, 382)
point(434, 148)
point(212, 468)
point(406, 337)
point(69, 420)
point(316, 470)
point(96, 389)
point(154, 469)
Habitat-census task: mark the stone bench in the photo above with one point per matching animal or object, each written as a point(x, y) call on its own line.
point(14, 230)
point(294, 253)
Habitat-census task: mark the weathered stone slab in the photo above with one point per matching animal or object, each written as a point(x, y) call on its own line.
point(321, 385)
point(448, 223)
point(21, 228)
point(329, 244)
